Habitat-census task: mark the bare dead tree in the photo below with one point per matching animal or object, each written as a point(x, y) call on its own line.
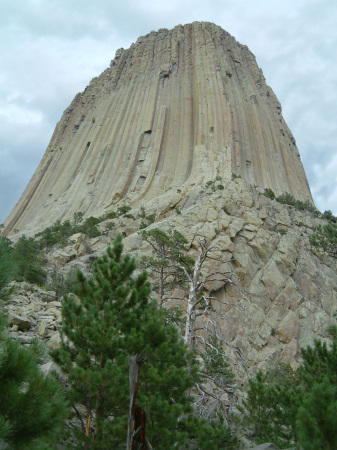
point(202, 331)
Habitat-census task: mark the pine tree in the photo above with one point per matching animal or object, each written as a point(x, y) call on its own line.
point(32, 405)
point(319, 362)
point(28, 261)
point(316, 423)
point(286, 407)
point(167, 261)
point(110, 319)
point(271, 406)
point(257, 406)
point(6, 267)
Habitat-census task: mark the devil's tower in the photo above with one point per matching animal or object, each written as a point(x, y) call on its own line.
point(161, 131)
point(178, 108)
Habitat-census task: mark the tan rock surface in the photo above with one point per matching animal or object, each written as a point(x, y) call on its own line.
point(176, 109)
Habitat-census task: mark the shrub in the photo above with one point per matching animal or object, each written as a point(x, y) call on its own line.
point(148, 219)
point(325, 239)
point(108, 215)
point(89, 227)
point(56, 234)
point(286, 199)
point(329, 216)
point(123, 209)
point(6, 266)
point(269, 193)
point(78, 217)
point(28, 261)
point(110, 225)
point(143, 225)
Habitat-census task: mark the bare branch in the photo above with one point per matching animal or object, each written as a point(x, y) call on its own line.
point(209, 394)
point(79, 416)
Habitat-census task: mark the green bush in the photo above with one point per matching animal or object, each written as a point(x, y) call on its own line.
point(324, 239)
point(78, 217)
point(110, 225)
point(329, 216)
point(143, 225)
point(149, 219)
point(89, 227)
point(108, 215)
point(123, 209)
point(28, 261)
point(6, 266)
point(286, 199)
point(269, 193)
point(284, 406)
point(142, 212)
point(234, 176)
point(57, 234)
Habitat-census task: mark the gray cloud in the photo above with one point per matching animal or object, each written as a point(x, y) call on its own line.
point(49, 51)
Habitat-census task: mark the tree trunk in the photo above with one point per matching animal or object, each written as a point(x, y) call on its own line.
point(136, 438)
point(161, 287)
point(192, 301)
point(133, 382)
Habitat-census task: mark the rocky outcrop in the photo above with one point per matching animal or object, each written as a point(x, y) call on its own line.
point(176, 109)
point(34, 314)
point(285, 295)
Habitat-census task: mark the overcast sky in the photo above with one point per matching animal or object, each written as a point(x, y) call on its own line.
point(51, 49)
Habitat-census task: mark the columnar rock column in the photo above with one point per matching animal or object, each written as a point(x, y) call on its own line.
point(178, 108)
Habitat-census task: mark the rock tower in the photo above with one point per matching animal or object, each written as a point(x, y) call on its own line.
point(178, 108)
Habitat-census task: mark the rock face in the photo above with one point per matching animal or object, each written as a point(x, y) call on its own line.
point(285, 297)
point(178, 108)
